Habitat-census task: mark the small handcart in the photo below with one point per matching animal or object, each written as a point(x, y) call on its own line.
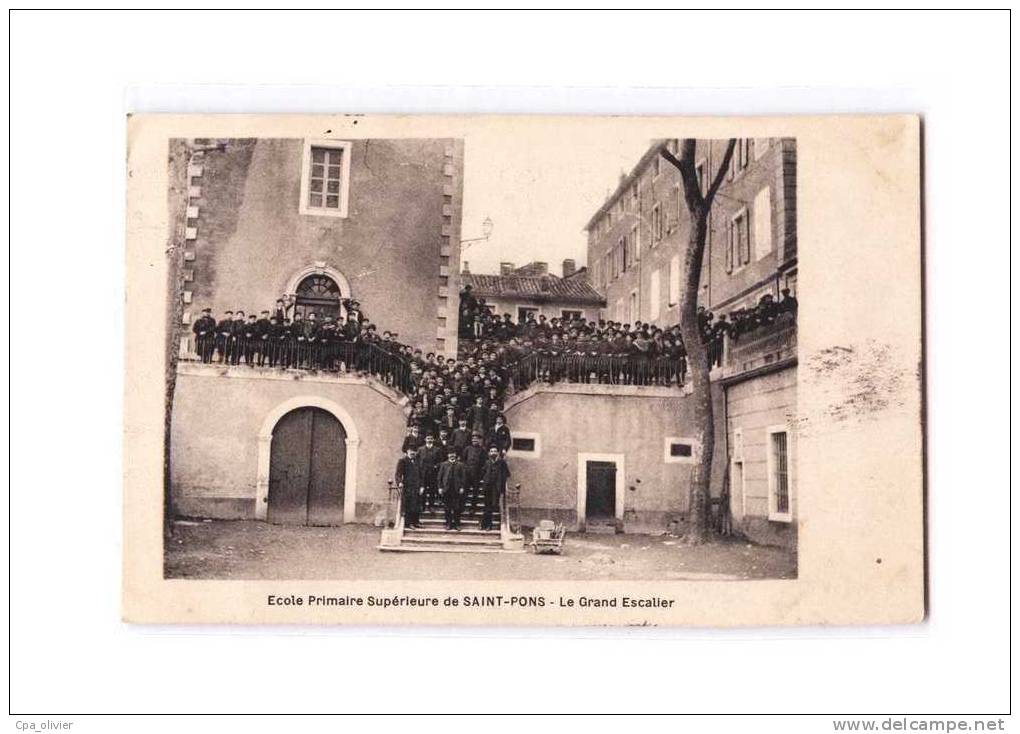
point(548, 537)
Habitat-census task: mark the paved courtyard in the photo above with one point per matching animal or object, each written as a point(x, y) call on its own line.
point(257, 550)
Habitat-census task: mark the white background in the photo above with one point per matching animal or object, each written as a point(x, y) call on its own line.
point(70, 81)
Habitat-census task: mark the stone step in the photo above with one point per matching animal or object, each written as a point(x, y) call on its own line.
point(441, 530)
point(436, 548)
point(451, 539)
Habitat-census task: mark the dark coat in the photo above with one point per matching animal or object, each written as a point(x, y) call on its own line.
point(409, 475)
point(475, 458)
point(452, 476)
point(429, 460)
point(500, 438)
point(494, 476)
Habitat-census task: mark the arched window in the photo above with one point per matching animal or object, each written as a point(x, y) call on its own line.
point(318, 294)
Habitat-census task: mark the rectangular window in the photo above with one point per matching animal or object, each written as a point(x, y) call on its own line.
point(678, 207)
point(325, 178)
point(522, 444)
point(674, 280)
point(635, 243)
point(624, 255)
point(523, 311)
point(738, 252)
point(569, 315)
point(679, 450)
point(656, 224)
point(525, 445)
point(778, 461)
point(653, 296)
point(763, 223)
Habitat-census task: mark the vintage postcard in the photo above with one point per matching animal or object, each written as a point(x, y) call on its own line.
point(524, 370)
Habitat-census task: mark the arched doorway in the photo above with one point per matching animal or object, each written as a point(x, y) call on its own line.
point(307, 468)
point(318, 294)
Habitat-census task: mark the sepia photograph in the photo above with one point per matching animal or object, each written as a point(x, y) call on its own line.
point(506, 364)
point(386, 364)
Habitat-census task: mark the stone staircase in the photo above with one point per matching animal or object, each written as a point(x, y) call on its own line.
point(433, 536)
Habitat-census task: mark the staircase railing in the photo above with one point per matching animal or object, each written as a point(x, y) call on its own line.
point(393, 527)
point(510, 517)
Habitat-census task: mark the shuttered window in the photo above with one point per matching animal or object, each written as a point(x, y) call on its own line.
point(674, 280)
point(654, 295)
point(763, 223)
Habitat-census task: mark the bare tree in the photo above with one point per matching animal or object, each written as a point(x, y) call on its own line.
point(698, 207)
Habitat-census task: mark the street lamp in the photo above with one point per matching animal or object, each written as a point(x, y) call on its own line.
point(486, 233)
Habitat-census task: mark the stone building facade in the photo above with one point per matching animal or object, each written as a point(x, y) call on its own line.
point(315, 221)
point(636, 243)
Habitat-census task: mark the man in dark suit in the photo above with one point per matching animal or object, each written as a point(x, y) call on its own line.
point(223, 331)
point(493, 483)
point(500, 436)
point(430, 456)
point(452, 482)
point(474, 459)
point(461, 437)
point(262, 328)
point(205, 335)
point(412, 487)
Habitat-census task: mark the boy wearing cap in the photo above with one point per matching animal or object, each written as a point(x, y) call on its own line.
point(205, 331)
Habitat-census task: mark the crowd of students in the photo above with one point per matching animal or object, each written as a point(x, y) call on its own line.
point(457, 437)
point(576, 349)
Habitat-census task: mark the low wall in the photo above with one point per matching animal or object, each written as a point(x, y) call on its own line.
point(574, 423)
point(219, 445)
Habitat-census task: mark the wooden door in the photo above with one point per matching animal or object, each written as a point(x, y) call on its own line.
point(600, 501)
point(306, 469)
point(326, 474)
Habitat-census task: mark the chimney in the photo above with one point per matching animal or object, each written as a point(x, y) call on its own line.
point(506, 268)
point(465, 270)
point(541, 268)
point(569, 267)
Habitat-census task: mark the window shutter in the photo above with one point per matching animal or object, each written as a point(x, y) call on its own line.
point(745, 239)
point(762, 218)
point(730, 248)
point(654, 296)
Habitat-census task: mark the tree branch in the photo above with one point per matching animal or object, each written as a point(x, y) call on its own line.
point(688, 173)
point(720, 175)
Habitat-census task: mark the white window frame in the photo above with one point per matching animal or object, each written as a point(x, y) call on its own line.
point(673, 297)
point(529, 455)
point(737, 256)
point(762, 222)
point(668, 458)
point(345, 178)
point(528, 308)
point(654, 295)
point(774, 515)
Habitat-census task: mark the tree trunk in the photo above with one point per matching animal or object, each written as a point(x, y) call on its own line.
point(698, 207)
point(698, 368)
